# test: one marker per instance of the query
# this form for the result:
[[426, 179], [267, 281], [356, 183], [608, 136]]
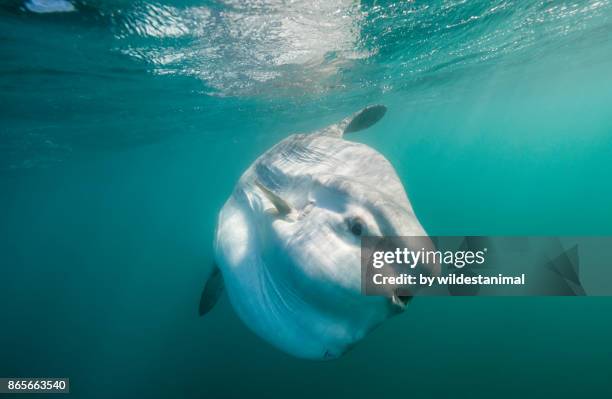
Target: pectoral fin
[[212, 291], [282, 207]]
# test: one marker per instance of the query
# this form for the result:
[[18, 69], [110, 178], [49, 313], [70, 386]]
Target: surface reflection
[[237, 46]]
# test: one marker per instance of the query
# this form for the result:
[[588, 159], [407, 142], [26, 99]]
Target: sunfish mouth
[[400, 299]]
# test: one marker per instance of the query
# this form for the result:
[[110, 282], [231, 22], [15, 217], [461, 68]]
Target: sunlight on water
[[248, 47], [147, 59]]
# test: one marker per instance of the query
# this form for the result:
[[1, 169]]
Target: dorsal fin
[[364, 118], [358, 121]]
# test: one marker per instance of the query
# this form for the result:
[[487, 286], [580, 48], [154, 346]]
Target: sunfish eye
[[356, 226]]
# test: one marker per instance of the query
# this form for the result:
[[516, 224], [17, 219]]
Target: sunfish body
[[287, 244]]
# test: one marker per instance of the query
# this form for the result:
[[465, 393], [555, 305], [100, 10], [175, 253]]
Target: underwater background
[[124, 126]]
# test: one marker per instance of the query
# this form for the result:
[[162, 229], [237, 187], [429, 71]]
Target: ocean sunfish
[[287, 246]]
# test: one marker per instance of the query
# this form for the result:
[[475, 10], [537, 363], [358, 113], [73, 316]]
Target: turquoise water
[[125, 125]]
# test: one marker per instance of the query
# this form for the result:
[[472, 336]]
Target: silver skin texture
[[286, 241]]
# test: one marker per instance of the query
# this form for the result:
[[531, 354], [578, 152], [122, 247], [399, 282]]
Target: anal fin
[[212, 291]]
